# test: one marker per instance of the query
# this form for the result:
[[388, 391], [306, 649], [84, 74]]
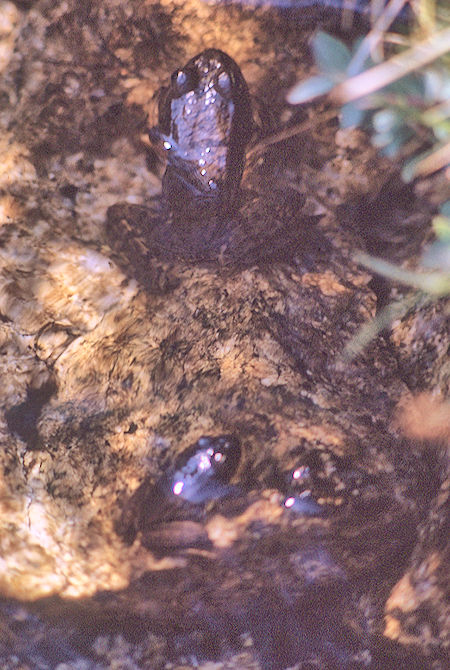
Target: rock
[[107, 381]]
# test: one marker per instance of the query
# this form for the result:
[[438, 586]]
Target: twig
[[286, 133]]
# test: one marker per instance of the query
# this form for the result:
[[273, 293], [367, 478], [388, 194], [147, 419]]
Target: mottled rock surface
[[105, 381]]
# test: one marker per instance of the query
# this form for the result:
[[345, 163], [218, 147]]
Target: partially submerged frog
[[168, 512], [171, 512], [203, 215]]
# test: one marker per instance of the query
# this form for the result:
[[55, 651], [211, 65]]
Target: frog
[[205, 124], [204, 214], [169, 511]]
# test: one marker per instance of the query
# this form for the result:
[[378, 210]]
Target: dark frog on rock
[[205, 123], [203, 215]]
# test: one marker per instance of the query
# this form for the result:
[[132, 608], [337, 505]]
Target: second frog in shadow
[[169, 511]]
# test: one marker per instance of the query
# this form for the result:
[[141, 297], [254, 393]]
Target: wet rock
[[142, 370]]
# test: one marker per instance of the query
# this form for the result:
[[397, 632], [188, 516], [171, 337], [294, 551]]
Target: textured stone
[[105, 382]]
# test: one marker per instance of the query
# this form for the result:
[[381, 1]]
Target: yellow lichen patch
[[262, 370], [28, 564], [45, 550], [67, 286], [141, 93], [31, 571], [425, 416], [326, 281], [216, 28], [80, 286], [231, 359], [323, 434], [10, 209], [14, 164], [405, 597], [265, 362], [224, 532], [392, 628], [9, 24]]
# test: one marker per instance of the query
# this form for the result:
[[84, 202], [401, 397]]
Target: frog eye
[[184, 81], [223, 84]]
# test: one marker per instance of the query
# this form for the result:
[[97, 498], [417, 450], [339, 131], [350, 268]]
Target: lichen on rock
[[106, 381]]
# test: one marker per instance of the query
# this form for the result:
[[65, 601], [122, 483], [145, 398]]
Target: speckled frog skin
[[205, 123]]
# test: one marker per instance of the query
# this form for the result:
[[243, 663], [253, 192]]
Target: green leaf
[[441, 223], [410, 86], [361, 59], [309, 89], [433, 83], [386, 120], [330, 54], [437, 256], [445, 209], [436, 83], [392, 148], [434, 283], [382, 140], [351, 115], [409, 168], [442, 132], [399, 136]]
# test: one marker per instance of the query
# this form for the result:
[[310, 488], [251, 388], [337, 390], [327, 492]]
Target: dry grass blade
[[398, 66], [373, 39], [436, 161]]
